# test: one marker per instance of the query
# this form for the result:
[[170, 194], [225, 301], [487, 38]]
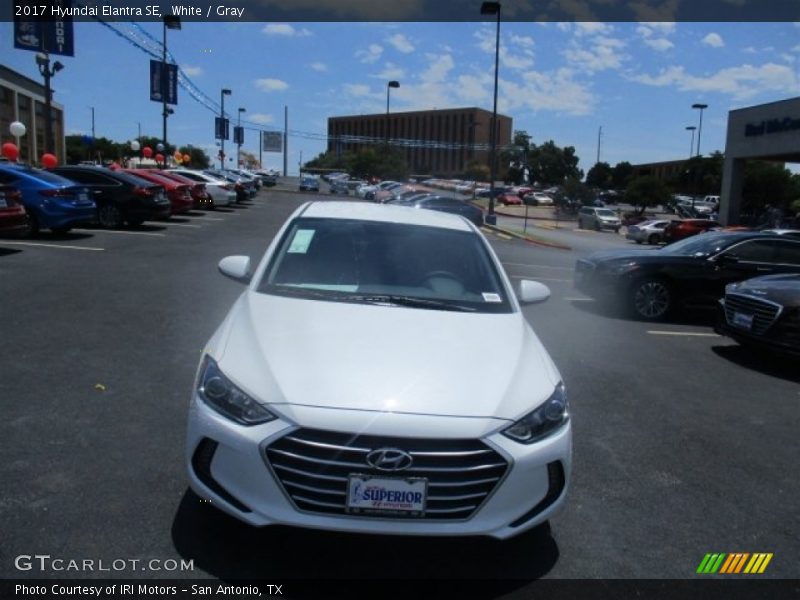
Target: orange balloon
[[186, 158]]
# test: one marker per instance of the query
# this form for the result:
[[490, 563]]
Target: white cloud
[[192, 71], [359, 90], [260, 118], [522, 40], [390, 71], [603, 54], [592, 28], [271, 85], [555, 91], [487, 40], [664, 28], [751, 50], [440, 66], [285, 29], [473, 89], [400, 43], [319, 66], [371, 55], [659, 44], [714, 40], [740, 82]]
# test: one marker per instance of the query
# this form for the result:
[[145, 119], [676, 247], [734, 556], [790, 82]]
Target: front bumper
[[227, 465]]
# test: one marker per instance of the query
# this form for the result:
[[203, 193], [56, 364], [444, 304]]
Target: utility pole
[[285, 138], [171, 22], [599, 135], [260, 148]]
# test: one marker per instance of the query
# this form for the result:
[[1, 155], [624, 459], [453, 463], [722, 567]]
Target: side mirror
[[236, 267], [532, 292]]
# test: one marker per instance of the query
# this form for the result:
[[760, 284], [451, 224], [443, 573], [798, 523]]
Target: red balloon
[[114, 166], [159, 158], [10, 151], [147, 151], [49, 160]]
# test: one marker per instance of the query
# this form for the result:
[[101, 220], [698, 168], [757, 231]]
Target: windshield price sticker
[[301, 241], [378, 494], [491, 297], [743, 320]]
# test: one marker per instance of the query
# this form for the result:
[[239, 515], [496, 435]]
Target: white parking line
[[539, 278], [118, 231], [539, 266], [205, 219], [578, 299], [62, 246], [179, 224], [689, 333]]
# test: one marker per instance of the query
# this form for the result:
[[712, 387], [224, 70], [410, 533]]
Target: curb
[[531, 240]]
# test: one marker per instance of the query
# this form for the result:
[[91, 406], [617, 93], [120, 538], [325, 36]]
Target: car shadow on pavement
[[610, 310], [50, 236], [6, 251], [758, 360], [230, 550], [149, 227]]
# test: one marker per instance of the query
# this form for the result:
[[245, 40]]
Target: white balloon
[[160, 147], [135, 146], [17, 129]]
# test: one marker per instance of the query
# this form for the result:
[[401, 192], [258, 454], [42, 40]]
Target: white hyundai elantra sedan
[[378, 376]]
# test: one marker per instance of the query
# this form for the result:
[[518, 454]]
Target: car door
[[787, 256], [741, 261], [104, 189]]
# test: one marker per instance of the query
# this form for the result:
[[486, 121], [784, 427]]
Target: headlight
[[544, 420], [624, 268], [219, 393]]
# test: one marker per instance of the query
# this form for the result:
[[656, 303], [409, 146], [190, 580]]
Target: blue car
[[52, 202]]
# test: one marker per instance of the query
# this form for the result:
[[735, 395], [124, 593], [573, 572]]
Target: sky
[[557, 81]]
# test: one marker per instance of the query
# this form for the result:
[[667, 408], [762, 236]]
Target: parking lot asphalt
[[684, 443]]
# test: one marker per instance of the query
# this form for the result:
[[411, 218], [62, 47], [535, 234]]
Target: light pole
[[170, 22], [239, 143], [389, 86], [222, 94], [43, 61], [493, 8], [691, 128], [701, 108]]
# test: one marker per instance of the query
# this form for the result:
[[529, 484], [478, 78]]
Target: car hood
[[783, 288], [610, 256], [309, 353]]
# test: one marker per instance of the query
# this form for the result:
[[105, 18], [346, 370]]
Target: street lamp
[[389, 86], [170, 22], [493, 8], [239, 142], [701, 107], [691, 128], [43, 61], [222, 94]]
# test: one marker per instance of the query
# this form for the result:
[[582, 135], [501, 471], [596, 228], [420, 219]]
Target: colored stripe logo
[[734, 563]]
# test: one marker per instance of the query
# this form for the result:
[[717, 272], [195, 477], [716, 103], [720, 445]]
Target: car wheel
[[32, 226], [651, 299], [60, 230], [596, 226], [638, 241], [654, 239], [135, 221], [580, 224], [110, 216]]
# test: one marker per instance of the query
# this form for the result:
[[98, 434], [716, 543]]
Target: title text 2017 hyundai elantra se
[[352, 386]]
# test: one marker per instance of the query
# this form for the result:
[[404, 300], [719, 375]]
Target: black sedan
[[691, 273], [763, 312], [445, 204], [120, 197]]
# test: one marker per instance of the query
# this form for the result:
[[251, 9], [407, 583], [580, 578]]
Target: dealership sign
[[772, 126]]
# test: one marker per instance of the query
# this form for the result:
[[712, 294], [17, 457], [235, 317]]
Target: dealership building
[[768, 132], [22, 99], [438, 142]]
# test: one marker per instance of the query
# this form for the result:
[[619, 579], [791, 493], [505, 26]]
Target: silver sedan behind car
[[651, 232]]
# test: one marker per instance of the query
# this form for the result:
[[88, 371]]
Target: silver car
[[651, 232], [591, 217]]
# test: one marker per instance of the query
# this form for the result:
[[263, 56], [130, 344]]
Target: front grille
[[313, 467], [764, 312]]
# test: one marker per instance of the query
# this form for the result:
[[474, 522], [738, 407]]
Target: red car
[[201, 197], [509, 198], [179, 194], [13, 218], [678, 230]]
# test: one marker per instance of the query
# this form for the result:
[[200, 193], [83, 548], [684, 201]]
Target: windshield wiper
[[409, 301]]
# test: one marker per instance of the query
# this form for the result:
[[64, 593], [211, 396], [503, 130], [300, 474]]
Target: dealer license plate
[[742, 320], [367, 494]]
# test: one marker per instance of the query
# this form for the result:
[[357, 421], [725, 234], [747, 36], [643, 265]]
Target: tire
[[135, 221], [616, 230], [651, 299], [60, 230], [638, 241], [110, 216], [580, 223], [32, 227], [654, 239], [596, 226]]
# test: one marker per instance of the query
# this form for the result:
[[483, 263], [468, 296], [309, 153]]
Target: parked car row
[[68, 196]]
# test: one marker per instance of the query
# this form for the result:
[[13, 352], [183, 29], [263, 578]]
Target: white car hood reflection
[[383, 358]]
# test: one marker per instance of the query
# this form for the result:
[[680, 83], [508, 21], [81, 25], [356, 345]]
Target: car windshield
[[704, 244], [605, 212], [385, 263], [47, 176]]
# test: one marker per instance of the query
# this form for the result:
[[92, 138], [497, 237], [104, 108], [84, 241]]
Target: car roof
[[384, 213]]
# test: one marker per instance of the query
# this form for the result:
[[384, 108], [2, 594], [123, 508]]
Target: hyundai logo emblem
[[389, 459]]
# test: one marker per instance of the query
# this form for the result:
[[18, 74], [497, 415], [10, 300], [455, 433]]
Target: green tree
[[477, 171], [574, 190], [551, 165], [600, 176], [700, 175], [198, 158], [621, 175], [646, 191], [768, 184]]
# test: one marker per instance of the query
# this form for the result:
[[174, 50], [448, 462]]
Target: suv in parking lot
[[592, 217]]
